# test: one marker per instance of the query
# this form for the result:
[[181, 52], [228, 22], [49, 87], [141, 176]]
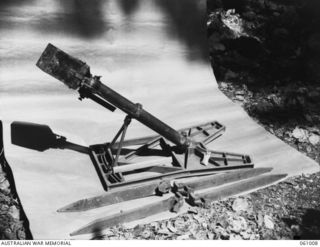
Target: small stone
[[171, 228], [164, 232], [295, 229], [309, 149], [239, 97], [8, 234], [239, 92], [5, 186], [275, 99], [240, 204], [108, 233], [224, 85], [260, 219], [245, 235], [314, 139], [235, 237], [155, 225], [145, 234], [314, 130], [21, 234], [204, 225], [238, 224], [254, 237], [14, 212], [137, 230], [300, 134], [2, 177], [222, 232], [268, 222], [183, 237], [210, 235], [193, 210], [127, 235], [179, 224], [201, 235]]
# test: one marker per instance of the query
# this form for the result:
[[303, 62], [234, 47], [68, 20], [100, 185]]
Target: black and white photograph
[[159, 120]]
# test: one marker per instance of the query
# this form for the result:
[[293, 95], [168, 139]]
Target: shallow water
[[112, 36]]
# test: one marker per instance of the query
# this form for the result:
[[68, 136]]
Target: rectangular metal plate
[[71, 71]]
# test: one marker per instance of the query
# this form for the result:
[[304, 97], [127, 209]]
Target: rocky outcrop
[[271, 40]]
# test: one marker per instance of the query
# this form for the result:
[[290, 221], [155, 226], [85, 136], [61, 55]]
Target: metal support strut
[[122, 131]]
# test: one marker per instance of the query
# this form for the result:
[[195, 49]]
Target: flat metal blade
[[165, 204], [148, 189], [125, 216], [236, 188]]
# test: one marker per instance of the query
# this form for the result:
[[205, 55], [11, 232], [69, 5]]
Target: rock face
[[278, 39]]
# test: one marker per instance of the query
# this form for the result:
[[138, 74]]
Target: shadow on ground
[[309, 228]]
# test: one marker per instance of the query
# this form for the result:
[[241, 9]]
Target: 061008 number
[[309, 243]]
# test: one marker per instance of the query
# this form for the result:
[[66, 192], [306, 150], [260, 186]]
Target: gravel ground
[[286, 107], [13, 223], [287, 210]]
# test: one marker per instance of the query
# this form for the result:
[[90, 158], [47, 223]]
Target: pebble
[[193, 210], [239, 224], [300, 134], [254, 237], [268, 222], [314, 139], [240, 93], [2, 177], [164, 232], [21, 234], [239, 97], [224, 85], [235, 237], [210, 235], [8, 234], [240, 204], [223, 233], [137, 230], [183, 237], [245, 235], [179, 224], [14, 212], [260, 219], [108, 233], [145, 234], [5, 186], [295, 228], [309, 149], [171, 228]]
